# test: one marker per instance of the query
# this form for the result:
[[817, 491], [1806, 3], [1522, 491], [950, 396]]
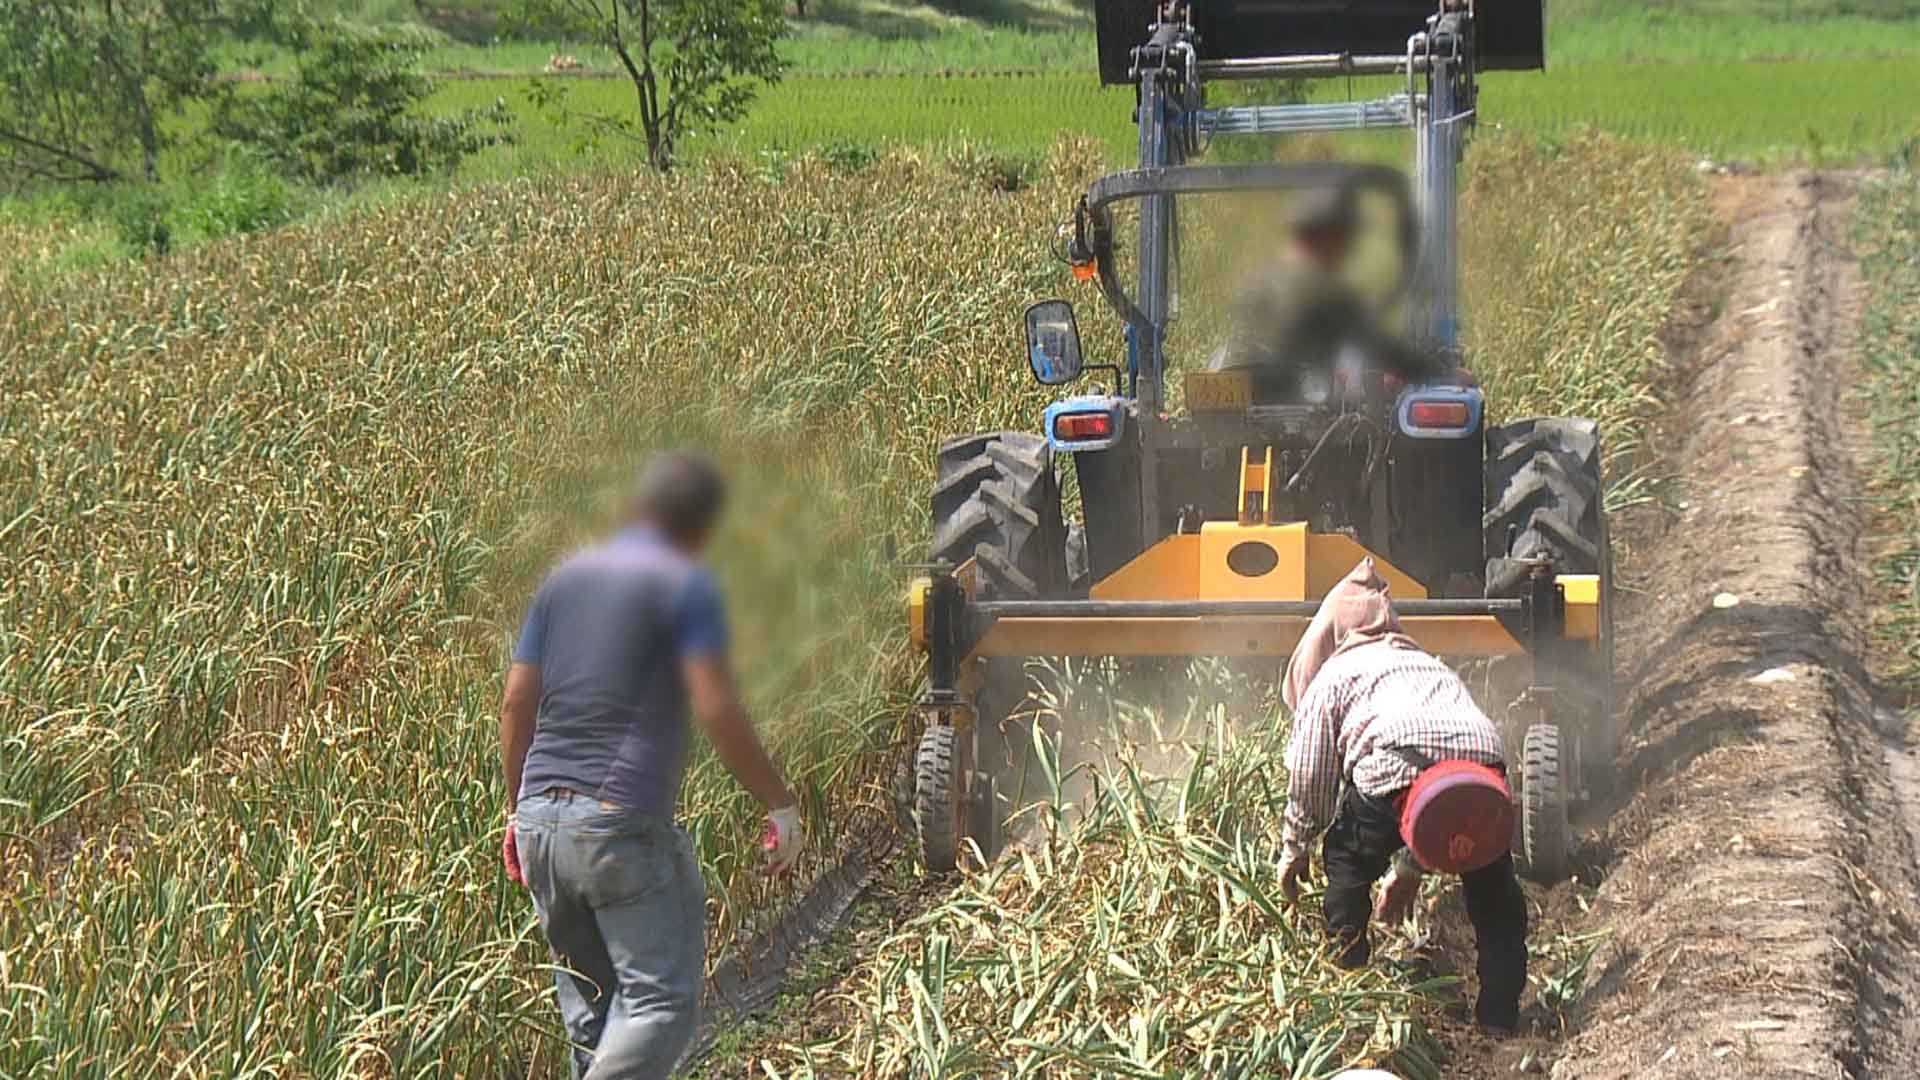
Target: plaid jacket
[[1362, 706]]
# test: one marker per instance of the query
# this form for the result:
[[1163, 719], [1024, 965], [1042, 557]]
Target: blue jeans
[[623, 906]]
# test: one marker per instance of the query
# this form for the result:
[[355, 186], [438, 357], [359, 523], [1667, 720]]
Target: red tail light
[[1443, 415], [1075, 427]]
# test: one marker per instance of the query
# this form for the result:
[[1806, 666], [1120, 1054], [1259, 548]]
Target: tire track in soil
[[1762, 898]]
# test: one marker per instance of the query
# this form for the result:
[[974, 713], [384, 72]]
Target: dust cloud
[[1080, 724]]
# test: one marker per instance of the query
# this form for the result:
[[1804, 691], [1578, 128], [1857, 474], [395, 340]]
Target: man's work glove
[[1402, 889], [1293, 870], [783, 839], [510, 854]]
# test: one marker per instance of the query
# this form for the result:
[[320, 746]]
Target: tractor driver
[[1297, 318]]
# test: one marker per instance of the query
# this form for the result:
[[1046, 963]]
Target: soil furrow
[[1760, 903]]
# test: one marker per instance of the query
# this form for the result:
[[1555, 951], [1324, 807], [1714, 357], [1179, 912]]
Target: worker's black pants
[[1364, 837]]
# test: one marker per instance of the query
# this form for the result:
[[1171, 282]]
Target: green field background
[[1816, 110]]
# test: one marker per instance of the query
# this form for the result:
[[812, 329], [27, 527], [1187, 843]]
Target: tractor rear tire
[[940, 806], [1543, 488], [1546, 836], [997, 502], [1545, 497]]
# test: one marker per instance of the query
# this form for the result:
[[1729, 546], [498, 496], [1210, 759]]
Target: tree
[[97, 90], [351, 109], [695, 64], [87, 86]]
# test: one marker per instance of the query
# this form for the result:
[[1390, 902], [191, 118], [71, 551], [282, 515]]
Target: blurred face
[[1327, 247], [691, 543], [695, 543]]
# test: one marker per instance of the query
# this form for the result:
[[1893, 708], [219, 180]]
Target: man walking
[[1421, 766], [622, 642]]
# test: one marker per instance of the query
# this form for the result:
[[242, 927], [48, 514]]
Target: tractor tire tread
[[1544, 488], [1545, 834], [996, 502], [1549, 497], [934, 798]]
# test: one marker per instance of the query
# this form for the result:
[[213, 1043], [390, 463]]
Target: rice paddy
[[1816, 111]]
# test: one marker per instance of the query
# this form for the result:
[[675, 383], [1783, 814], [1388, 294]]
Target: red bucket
[[1458, 817]]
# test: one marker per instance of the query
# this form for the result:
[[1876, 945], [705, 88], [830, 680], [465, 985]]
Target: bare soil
[[1760, 904]]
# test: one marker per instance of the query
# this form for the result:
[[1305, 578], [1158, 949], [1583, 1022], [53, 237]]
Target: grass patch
[[1144, 937], [1584, 31], [1887, 237], [1573, 256], [1018, 116], [1820, 112]]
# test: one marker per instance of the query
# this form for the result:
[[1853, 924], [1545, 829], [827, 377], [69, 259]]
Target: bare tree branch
[[94, 170]]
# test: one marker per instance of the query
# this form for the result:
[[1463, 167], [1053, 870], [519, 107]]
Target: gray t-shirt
[[608, 629]]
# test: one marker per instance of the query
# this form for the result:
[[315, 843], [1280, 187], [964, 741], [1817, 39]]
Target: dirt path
[[1761, 904]]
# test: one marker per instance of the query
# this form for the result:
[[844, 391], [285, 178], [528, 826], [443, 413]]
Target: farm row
[[273, 503]]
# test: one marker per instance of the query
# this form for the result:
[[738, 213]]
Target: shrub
[[352, 110], [139, 213], [242, 196]]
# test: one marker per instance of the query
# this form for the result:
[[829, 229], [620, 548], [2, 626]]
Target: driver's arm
[[1389, 350], [1412, 364]]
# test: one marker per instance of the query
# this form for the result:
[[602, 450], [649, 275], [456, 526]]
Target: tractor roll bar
[[1268, 176], [1213, 179]]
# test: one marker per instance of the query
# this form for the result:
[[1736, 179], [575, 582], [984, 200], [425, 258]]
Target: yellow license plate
[[1219, 391]]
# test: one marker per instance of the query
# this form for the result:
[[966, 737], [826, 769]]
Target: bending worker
[[1421, 767], [1297, 315], [621, 642]]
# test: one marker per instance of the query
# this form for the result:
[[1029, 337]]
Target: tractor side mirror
[[1053, 342]]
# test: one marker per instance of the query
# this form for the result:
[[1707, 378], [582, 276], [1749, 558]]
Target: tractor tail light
[[1076, 427], [1439, 415]]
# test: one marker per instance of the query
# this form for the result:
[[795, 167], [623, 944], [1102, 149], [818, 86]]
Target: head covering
[[1323, 209], [1356, 613]]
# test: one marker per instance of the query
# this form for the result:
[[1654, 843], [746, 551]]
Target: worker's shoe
[[1497, 1030], [1498, 1023]]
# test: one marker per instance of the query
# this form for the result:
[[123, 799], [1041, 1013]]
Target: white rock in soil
[[1774, 675], [1725, 600]]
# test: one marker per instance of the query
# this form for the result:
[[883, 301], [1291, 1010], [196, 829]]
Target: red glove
[[510, 854]]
